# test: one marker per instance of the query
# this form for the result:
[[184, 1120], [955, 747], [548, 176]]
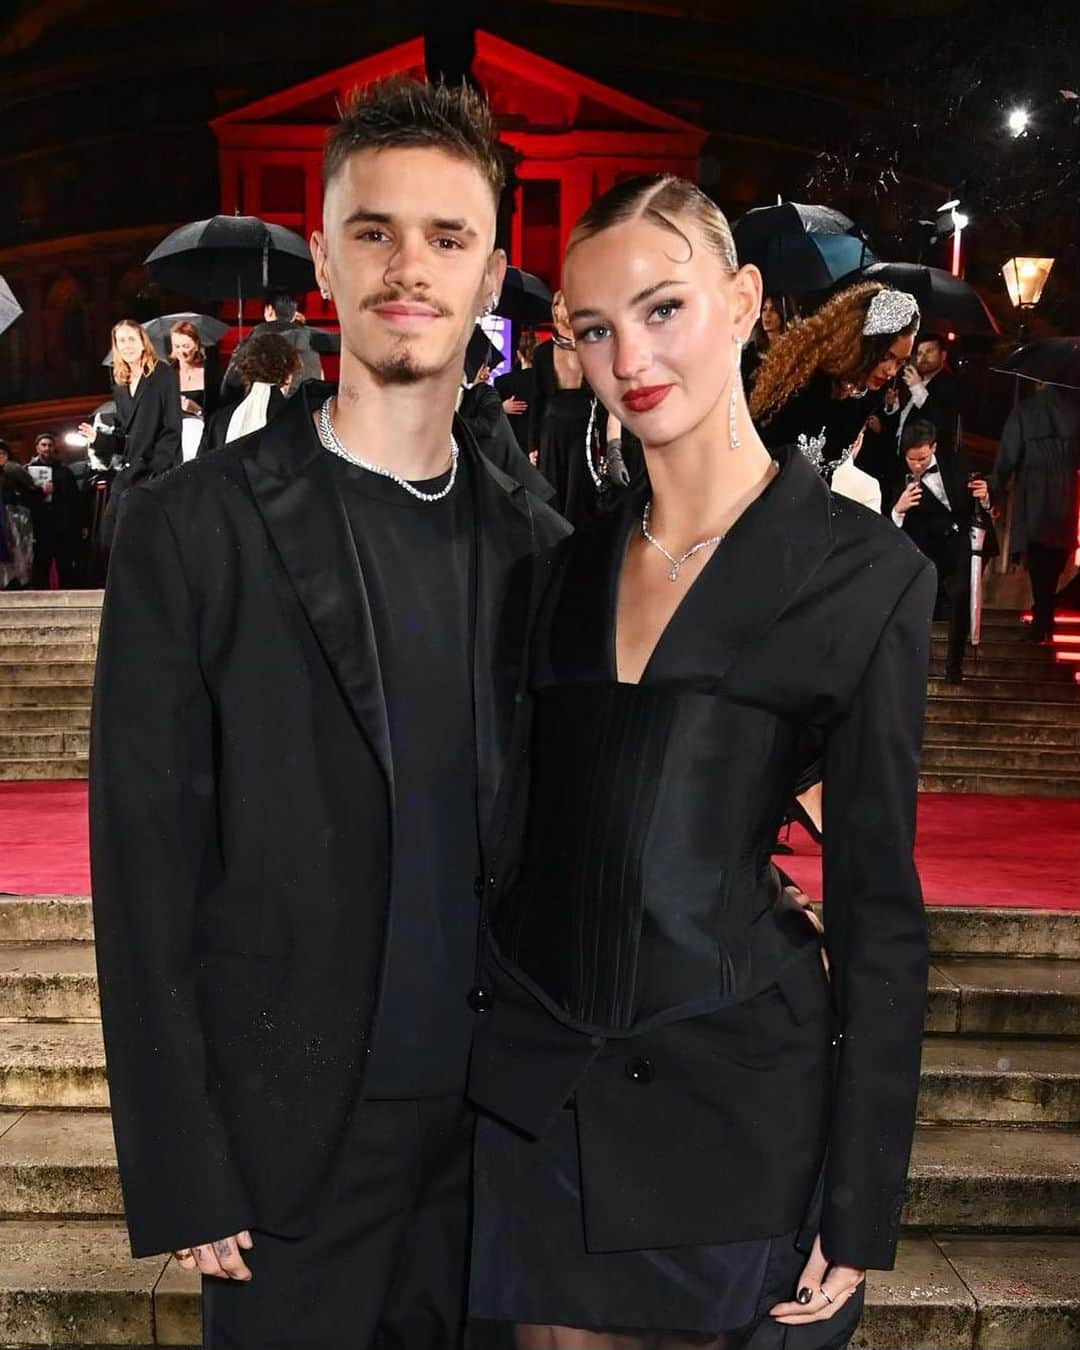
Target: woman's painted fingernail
[[804, 1295]]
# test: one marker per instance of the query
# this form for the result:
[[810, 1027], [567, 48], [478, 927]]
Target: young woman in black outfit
[[147, 432], [691, 1136]]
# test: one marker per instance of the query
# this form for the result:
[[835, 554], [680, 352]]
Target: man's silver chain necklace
[[676, 563], [332, 441]]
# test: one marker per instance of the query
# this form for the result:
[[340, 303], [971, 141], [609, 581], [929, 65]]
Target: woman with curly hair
[[267, 364], [822, 378]]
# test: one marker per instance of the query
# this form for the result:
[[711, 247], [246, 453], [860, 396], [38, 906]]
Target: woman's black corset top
[[646, 893]]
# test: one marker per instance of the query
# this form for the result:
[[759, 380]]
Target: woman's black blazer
[[705, 1118]]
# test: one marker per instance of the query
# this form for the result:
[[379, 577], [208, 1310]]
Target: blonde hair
[[830, 340], [659, 197], [122, 373]]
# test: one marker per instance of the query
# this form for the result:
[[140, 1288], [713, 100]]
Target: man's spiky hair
[[403, 113]]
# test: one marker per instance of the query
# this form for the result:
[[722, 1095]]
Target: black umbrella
[[210, 331], [525, 298], [10, 309], [232, 255], [1050, 361], [944, 301], [800, 248]]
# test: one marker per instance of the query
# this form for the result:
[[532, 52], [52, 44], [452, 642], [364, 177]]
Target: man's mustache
[[388, 297]]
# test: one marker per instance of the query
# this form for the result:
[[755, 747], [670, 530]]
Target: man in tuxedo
[[935, 507], [306, 691]]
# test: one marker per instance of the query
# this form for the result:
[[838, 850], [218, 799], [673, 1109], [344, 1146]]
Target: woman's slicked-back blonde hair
[[660, 198]]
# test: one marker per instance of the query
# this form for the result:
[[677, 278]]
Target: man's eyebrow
[[366, 215], [634, 300]]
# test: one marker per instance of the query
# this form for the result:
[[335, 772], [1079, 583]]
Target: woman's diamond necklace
[[332, 441], [676, 563]]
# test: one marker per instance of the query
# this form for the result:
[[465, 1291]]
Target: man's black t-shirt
[[419, 562]]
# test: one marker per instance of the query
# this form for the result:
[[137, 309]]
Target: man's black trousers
[[1045, 565], [387, 1266]]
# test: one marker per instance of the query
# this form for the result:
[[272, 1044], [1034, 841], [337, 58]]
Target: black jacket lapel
[[757, 572], [504, 573], [303, 512]]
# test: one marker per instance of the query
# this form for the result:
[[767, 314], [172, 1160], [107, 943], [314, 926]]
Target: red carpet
[[971, 850]]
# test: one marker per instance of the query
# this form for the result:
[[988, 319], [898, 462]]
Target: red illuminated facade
[[572, 139]]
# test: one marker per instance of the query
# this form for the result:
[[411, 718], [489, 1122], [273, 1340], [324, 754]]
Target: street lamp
[[1025, 279]]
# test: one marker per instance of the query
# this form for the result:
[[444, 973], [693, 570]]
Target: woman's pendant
[[673, 575]]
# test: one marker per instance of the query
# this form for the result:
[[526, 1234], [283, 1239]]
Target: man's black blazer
[[241, 798], [942, 407]]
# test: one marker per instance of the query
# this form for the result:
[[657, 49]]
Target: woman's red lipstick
[[646, 397]]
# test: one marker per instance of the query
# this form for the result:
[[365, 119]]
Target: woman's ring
[[825, 1294]]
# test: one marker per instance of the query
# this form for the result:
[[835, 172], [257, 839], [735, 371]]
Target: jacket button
[[640, 1070], [480, 1000], [478, 888]]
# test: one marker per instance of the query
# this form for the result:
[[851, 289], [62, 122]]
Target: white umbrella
[[978, 539]]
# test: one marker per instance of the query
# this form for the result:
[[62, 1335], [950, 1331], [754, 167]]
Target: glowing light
[[1025, 279], [1019, 120], [75, 438]]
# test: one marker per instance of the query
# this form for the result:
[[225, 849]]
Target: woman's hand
[[514, 406], [823, 1291], [90, 432]]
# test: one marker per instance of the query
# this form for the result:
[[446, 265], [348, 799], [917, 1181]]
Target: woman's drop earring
[[736, 381]]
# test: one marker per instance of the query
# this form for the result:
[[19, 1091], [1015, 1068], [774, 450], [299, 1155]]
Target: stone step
[[29, 635], [19, 601], [45, 672], [969, 996], [982, 1080], [62, 1065], [46, 918], [75, 695], [998, 644], [13, 770], [1052, 762], [978, 930], [60, 1163], [985, 1177], [954, 930], [45, 719], [43, 744], [1024, 666], [76, 1284], [63, 1164], [1059, 689], [48, 981], [52, 1064], [986, 711], [1018, 734], [52, 650], [1000, 996], [999, 784]]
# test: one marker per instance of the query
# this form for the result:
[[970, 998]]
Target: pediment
[[528, 92]]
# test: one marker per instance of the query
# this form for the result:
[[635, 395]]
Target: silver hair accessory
[[890, 312], [733, 411]]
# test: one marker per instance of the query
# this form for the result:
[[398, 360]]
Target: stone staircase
[[990, 1259], [1013, 727], [48, 645]]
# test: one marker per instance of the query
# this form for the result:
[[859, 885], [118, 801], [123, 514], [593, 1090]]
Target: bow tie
[[933, 468]]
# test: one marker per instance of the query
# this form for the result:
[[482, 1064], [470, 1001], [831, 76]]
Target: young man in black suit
[[306, 691], [935, 508]]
